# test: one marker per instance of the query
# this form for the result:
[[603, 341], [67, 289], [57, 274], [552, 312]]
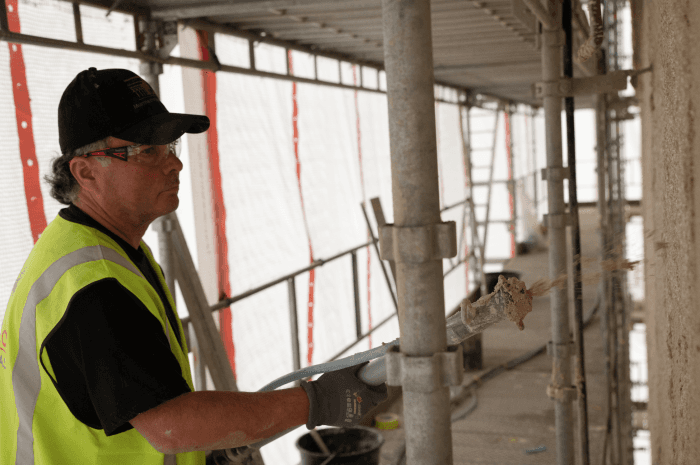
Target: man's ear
[[84, 172]]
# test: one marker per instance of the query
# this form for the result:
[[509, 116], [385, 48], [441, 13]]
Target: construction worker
[[93, 361]]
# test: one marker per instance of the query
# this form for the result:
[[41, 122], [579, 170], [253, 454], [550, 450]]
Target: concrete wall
[[668, 36]]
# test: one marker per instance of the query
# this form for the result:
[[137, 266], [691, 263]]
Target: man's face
[[128, 192]]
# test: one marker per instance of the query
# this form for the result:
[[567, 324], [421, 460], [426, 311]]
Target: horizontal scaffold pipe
[[318, 262], [186, 62], [26, 39]]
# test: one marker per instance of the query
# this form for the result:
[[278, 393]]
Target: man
[[95, 366]]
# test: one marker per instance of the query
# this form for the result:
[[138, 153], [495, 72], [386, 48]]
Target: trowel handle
[[374, 373]]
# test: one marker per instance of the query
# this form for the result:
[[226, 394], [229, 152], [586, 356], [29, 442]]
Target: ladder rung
[[481, 223], [481, 149], [484, 183]]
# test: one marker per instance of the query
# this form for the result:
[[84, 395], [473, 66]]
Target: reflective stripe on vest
[[26, 378]]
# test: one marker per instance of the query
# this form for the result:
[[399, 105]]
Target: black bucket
[[492, 278], [358, 445]]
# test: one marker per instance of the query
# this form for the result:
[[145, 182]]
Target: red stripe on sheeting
[[510, 177], [312, 274], [25, 129], [364, 201], [466, 189], [222, 268]]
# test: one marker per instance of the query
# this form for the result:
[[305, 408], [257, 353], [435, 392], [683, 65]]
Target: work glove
[[340, 398]]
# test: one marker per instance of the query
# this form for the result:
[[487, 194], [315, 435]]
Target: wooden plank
[[211, 347], [381, 221]]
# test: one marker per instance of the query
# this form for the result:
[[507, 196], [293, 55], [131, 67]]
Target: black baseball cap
[[118, 103]]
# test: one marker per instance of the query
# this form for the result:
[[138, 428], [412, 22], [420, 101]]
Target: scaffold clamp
[[425, 374], [611, 82], [557, 173], [561, 350], [418, 244], [558, 220], [566, 394]]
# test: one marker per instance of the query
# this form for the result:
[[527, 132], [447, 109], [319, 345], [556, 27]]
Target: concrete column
[[409, 68], [553, 41]]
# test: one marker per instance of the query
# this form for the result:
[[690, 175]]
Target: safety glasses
[[150, 155]]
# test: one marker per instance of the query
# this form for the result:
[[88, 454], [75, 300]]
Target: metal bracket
[[622, 104], [562, 350], [557, 221], [167, 33], [566, 394], [557, 174], [157, 38], [425, 374], [634, 76], [571, 87], [419, 244]]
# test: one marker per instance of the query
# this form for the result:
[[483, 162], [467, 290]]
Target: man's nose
[[171, 163]]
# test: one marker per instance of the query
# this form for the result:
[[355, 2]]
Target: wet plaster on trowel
[[516, 304], [517, 298]]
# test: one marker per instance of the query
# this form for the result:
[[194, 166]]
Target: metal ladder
[[477, 251]]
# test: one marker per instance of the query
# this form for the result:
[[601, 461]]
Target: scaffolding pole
[[580, 365], [560, 390], [151, 72], [414, 240], [604, 241], [511, 178]]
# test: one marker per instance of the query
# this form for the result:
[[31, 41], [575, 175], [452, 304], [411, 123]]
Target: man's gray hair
[[64, 186]]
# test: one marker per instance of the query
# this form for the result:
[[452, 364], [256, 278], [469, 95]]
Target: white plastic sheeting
[[48, 72], [266, 234]]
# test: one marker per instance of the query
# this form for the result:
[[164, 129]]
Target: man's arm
[[212, 420]]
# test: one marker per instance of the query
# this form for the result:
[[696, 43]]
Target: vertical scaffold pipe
[[150, 71], [580, 365], [603, 241], [408, 62], [561, 340]]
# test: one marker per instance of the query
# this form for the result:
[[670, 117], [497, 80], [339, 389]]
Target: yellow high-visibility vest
[[36, 426]]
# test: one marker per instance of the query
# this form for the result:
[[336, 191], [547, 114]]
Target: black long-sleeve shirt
[[110, 355]]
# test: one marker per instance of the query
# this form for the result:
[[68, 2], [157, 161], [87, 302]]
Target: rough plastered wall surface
[[670, 97]]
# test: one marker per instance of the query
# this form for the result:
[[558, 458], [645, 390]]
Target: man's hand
[[340, 398]]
